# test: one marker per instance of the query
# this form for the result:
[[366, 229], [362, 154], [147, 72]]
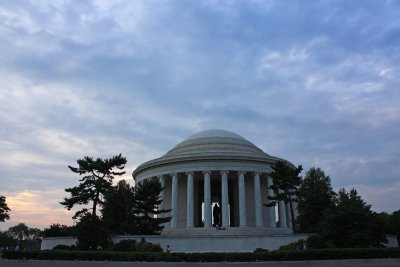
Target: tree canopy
[[24, 234], [4, 209], [119, 207], [57, 230], [285, 184], [351, 223], [394, 222], [97, 179], [92, 234], [147, 196], [315, 196]]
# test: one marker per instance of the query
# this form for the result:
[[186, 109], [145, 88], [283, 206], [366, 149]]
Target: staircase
[[230, 231]]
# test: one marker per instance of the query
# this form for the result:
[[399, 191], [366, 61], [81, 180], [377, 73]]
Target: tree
[[6, 240], [351, 223], [395, 222], [97, 179], [92, 234], [285, 184], [25, 235], [315, 196], [4, 209], [118, 209], [147, 195], [57, 230], [391, 223]]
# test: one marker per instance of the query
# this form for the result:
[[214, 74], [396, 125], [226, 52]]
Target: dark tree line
[[134, 210], [124, 209], [25, 237], [341, 219]]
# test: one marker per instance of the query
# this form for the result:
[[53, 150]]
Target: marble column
[[162, 194], [271, 210], [174, 201], [288, 215], [207, 199], [257, 200], [225, 199], [242, 200], [190, 201], [282, 214], [295, 210]]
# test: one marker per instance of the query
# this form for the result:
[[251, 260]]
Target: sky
[[314, 82]]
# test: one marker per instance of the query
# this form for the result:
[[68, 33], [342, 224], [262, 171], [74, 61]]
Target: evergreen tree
[[391, 223], [147, 196], [285, 185], [92, 234], [351, 223], [315, 196], [118, 209], [395, 222], [4, 209], [97, 179], [57, 230]]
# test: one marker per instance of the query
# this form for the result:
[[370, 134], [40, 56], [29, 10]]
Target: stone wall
[[206, 243]]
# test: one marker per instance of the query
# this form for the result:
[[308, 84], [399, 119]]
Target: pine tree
[[147, 196], [285, 184], [351, 223], [315, 196], [98, 177], [118, 209], [91, 233]]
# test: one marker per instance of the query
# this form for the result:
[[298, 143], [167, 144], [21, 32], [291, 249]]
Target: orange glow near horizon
[[40, 208], [37, 208]]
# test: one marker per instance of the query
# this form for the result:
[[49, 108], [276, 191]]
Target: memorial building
[[218, 167], [213, 168]]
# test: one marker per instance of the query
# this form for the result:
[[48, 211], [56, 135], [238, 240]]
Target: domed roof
[[214, 133], [215, 142], [208, 150]]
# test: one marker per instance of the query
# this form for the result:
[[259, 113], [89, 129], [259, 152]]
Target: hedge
[[294, 255]]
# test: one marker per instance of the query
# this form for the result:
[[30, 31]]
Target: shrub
[[316, 242], [144, 246], [297, 245], [92, 234], [64, 247], [125, 245], [133, 246], [295, 255]]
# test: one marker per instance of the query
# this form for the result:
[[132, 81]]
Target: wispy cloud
[[382, 198], [315, 83], [36, 208]]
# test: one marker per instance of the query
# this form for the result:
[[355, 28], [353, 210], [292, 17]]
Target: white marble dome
[[208, 150], [215, 143]]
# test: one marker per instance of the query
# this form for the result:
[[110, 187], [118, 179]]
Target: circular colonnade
[[216, 166]]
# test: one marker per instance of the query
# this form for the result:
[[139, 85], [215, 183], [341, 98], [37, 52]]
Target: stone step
[[231, 231]]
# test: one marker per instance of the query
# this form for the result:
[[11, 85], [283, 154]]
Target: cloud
[[382, 198], [315, 83], [36, 208]]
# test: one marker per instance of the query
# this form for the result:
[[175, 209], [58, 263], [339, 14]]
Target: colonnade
[[207, 216]]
